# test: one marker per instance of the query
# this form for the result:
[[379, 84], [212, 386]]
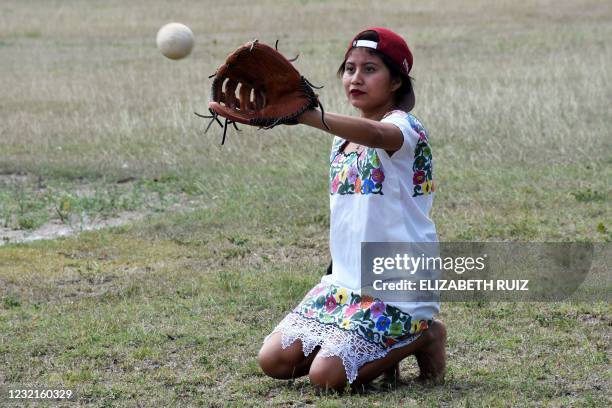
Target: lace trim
[[353, 350]]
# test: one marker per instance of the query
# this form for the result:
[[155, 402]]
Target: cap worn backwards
[[390, 44], [395, 48]]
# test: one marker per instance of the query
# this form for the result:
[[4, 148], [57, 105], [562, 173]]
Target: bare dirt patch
[[56, 228], [67, 210]]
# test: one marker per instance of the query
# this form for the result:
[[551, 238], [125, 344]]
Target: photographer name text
[[454, 285]]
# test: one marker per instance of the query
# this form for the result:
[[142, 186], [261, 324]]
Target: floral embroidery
[[372, 319], [419, 177], [422, 167], [422, 178], [355, 172], [377, 309], [330, 304], [341, 296], [352, 309], [395, 329], [382, 323], [366, 302], [377, 175]]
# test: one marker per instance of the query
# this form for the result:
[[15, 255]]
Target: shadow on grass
[[407, 385]]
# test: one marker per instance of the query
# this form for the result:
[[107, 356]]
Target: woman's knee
[[277, 362], [271, 364], [328, 373]]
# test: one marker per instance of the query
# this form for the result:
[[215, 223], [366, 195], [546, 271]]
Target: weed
[[10, 302], [589, 195]]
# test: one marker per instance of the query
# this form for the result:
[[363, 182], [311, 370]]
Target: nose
[[356, 78]]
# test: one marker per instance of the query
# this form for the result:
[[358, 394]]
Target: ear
[[396, 83]]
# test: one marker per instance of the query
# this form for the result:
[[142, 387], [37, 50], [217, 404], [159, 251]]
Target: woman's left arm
[[362, 131]]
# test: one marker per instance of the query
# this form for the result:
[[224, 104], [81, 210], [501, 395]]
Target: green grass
[[122, 318], [172, 310]]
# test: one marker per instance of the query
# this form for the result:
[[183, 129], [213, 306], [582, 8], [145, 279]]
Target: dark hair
[[396, 72]]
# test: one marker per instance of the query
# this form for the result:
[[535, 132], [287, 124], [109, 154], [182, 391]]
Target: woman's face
[[368, 83]]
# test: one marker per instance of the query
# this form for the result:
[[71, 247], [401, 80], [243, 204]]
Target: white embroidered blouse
[[378, 198]]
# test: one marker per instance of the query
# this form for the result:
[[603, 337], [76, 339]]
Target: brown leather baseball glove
[[258, 86]]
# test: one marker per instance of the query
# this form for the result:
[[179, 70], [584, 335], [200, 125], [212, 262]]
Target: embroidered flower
[[377, 175], [309, 313], [346, 324], [341, 296], [377, 309], [423, 325], [352, 174], [382, 323], [352, 309], [366, 302], [367, 186], [320, 302], [419, 177], [330, 304]]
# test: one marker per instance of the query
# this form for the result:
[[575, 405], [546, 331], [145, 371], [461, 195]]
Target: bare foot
[[432, 356]]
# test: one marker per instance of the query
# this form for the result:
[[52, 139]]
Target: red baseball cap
[[390, 44], [394, 47]]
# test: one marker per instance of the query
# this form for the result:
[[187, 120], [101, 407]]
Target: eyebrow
[[365, 63]]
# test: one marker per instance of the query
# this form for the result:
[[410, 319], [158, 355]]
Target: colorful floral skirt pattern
[[356, 328]]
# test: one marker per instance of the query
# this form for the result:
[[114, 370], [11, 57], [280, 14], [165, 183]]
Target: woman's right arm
[[365, 132]]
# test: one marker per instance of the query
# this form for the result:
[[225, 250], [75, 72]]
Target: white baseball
[[175, 40]]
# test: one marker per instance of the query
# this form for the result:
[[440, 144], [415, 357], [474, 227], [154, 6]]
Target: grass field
[[171, 310]]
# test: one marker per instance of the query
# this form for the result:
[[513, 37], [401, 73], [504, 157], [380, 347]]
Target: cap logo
[[406, 67], [365, 43]]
